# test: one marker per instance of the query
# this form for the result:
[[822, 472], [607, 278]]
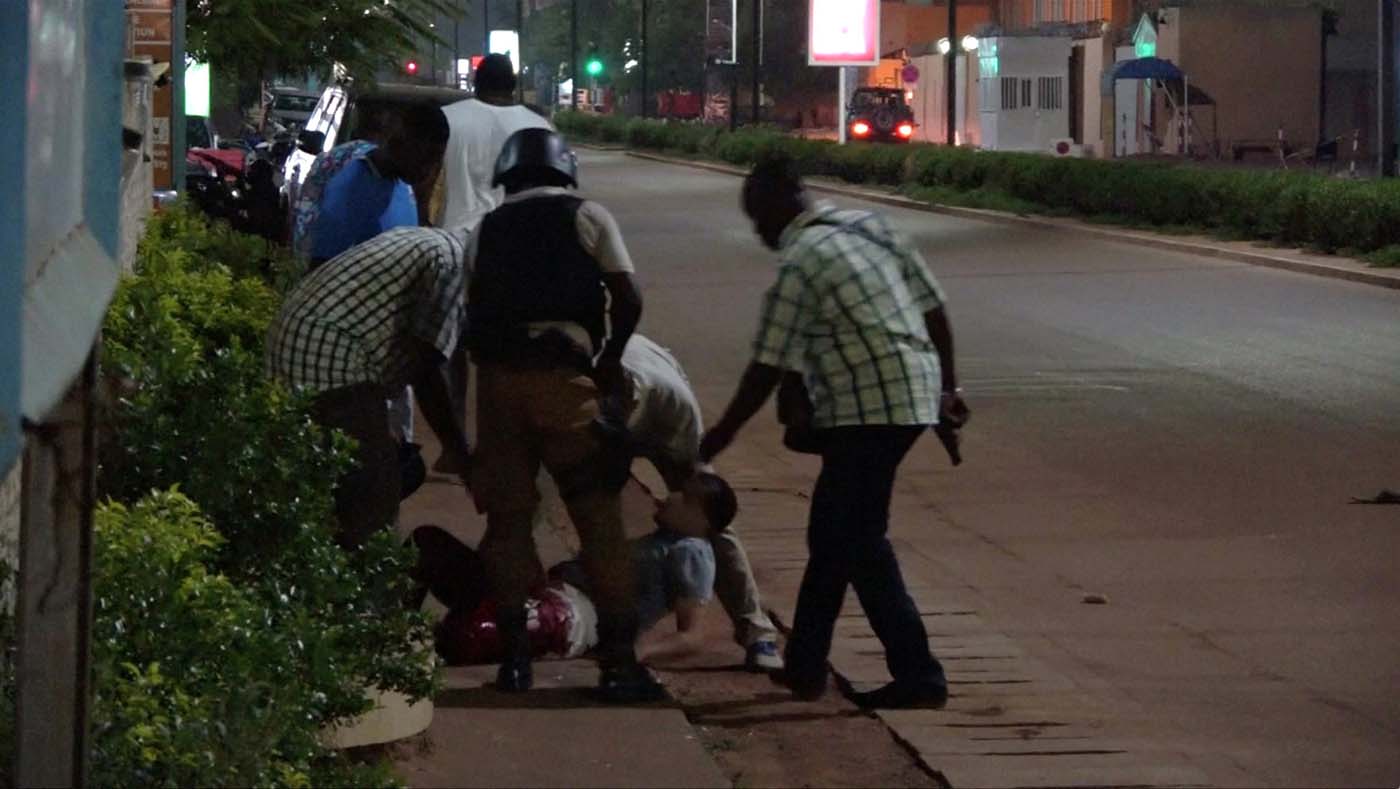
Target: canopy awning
[[1147, 68]]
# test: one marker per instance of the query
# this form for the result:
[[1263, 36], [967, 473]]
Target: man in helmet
[[553, 302]]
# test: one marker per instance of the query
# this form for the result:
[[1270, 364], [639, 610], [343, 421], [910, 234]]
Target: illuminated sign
[[196, 88], [843, 33], [506, 42]]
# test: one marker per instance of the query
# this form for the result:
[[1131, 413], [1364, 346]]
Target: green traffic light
[[594, 67]]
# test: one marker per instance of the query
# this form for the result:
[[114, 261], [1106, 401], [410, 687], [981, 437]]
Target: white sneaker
[[762, 657]]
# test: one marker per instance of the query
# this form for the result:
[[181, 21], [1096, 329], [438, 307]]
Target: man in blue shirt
[[371, 194]]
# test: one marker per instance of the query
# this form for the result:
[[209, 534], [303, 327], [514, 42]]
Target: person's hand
[[716, 440], [611, 379], [952, 410]]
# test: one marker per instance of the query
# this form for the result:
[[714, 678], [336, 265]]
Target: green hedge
[[1324, 213], [229, 628]]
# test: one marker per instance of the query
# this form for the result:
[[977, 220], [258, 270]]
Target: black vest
[[530, 267]]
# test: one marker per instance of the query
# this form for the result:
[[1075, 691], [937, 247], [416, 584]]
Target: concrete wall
[[1096, 59], [1261, 65], [1350, 89], [903, 25], [1025, 14]]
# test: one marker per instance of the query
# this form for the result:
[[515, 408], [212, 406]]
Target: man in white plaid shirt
[[857, 312], [377, 317]]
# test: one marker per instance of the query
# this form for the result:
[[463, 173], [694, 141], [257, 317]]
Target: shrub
[[1293, 208], [192, 409]]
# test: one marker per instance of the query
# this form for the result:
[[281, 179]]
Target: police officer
[[553, 302]]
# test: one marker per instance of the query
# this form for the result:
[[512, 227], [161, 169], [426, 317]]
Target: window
[[1026, 93], [1008, 92], [1050, 93]]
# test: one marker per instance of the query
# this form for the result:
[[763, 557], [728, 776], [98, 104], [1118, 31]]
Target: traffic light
[[594, 64], [411, 68]]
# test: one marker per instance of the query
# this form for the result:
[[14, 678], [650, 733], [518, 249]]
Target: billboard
[[843, 32], [721, 31]]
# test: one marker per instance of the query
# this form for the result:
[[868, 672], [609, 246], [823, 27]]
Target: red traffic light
[[411, 67]]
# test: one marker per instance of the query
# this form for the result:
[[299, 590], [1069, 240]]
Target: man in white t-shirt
[[665, 427], [480, 127]]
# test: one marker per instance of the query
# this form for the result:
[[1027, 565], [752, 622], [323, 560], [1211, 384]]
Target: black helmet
[[538, 156]]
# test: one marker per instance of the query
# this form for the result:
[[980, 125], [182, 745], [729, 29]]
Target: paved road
[[1180, 434]]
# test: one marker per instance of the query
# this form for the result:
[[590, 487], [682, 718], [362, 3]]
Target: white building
[[1023, 92]]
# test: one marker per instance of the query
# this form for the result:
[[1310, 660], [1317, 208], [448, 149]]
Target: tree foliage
[[256, 39]]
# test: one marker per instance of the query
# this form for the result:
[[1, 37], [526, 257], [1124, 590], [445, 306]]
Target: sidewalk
[[557, 734], [1011, 719]]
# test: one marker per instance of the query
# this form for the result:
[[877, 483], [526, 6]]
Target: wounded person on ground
[[675, 572]]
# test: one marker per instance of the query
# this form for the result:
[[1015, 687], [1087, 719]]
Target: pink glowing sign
[[843, 33]]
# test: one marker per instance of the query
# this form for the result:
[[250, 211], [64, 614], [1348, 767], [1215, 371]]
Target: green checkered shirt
[[848, 312]]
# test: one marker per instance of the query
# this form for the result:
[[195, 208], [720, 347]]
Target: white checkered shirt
[[848, 312], [352, 321]]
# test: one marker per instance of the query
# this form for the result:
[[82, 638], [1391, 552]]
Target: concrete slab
[[556, 735]]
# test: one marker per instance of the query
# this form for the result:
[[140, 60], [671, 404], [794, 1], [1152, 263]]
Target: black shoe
[[629, 683], [515, 676], [904, 695], [803, 688]]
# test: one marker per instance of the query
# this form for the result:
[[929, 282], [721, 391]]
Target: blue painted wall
[[14, 42]]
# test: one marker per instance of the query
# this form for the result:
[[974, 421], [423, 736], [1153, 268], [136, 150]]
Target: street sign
[[843, 33], [910, 73], [150, 27]]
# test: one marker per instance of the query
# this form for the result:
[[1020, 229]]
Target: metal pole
[[456, 50], [520, 50], [1385, 86], [953, 47], [841, 104], [734, 95], [646, 46], [485, 27], [755, 47], [573, 54]]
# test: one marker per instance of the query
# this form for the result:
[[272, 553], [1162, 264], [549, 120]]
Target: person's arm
[[674, 471], [433, 388], [758, 383], [787, 309], [940, 331], [952, 411]]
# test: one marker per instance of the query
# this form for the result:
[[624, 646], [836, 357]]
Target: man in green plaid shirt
[[857, 312]]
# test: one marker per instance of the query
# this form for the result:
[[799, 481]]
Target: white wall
[[1029, 126], [1092, 122]]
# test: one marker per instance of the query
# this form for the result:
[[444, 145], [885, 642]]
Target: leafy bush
[[1292, 208], [191, 409], [193, 688]]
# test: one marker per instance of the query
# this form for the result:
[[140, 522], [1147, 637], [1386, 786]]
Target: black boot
[[515, 674], [623, 680]]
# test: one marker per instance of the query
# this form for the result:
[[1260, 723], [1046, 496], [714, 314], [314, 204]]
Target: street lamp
[[970, 43]]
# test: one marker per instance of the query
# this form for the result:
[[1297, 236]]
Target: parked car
[[879, 115], [289, 107]]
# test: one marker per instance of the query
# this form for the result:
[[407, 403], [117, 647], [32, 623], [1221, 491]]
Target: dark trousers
[[847, 545], [367, 495]]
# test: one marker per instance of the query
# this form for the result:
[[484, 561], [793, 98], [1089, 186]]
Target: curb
[[1365, 277]]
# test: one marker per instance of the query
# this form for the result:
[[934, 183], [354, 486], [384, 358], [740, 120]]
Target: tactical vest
[[530, 268]]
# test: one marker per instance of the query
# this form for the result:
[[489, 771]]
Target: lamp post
[[954, 47]]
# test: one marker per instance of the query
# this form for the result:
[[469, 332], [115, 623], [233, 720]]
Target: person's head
[[535, 157], [415, 144], [774, 196], [704, 504], [495, 80]]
